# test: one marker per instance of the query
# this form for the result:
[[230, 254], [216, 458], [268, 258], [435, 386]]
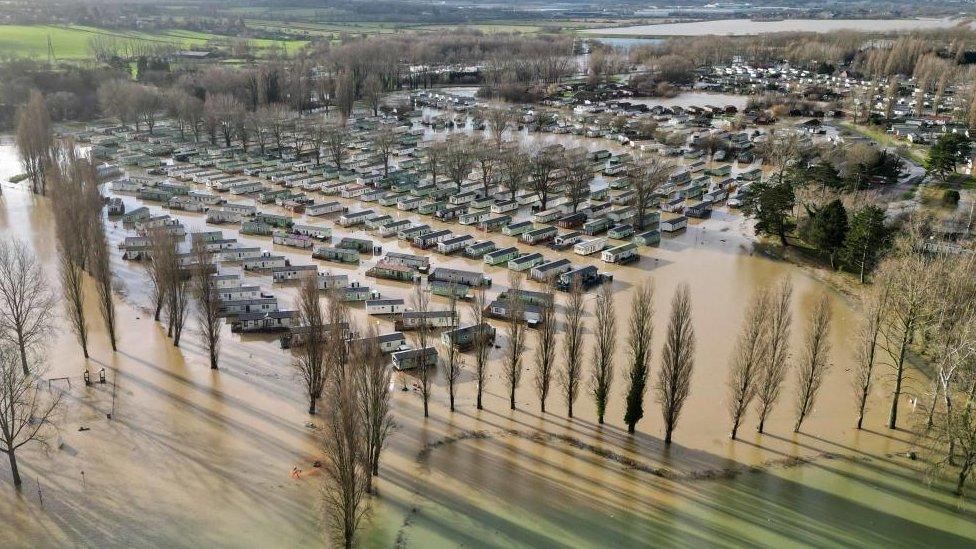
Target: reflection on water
[[200, 458]]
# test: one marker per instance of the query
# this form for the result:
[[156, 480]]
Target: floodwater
[[695, 99], [193, 458], [737, 27]]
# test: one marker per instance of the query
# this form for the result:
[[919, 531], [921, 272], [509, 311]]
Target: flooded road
[[194, 458]]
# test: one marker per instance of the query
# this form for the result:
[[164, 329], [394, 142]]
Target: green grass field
[[72, 42]]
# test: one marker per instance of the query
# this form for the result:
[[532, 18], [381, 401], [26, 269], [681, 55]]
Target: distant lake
[[729, 27], [627, 43]]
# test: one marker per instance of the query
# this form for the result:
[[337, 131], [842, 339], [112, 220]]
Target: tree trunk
[[762, 425], [311, 406], [893, 416], [426, 408], [23, 355], [512, 398], [630, 427], [479, 395], [14, 472]]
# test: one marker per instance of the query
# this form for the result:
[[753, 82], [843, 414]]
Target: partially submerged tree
[[515, 330], [639, 334], [25, 412], [815, 362], [776, 356], [26, 300], [373, 378], [420, 302], [867, 345], [601, 377], [310, 353], [748, 359], [480, 344], [207, 301], [677, 361], [545, 350], [647, 175], [572, 375], [34, 139], [455, 366], [909, 292]]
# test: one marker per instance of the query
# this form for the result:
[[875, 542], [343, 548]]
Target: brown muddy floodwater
[[192, 458]]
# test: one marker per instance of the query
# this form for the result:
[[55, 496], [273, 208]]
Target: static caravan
[[620, 232], [431, 239], [504, 255], [648, 238], [495, 223], [550, 269], [246, 187], [518, 228], [386, 342], [458, 276], [673, 205], [275, 220], [538, 236], [714, 196], [392, 271], [597, 226], [473, 218], [526, 262], [264, 262], [504, 206], [361, 245], [351, 219], [449, 289], [547, 216], [412, 320], [388, 199], [317, 232], [244, 306], [479, 249], [409, 203], [415, 358], [378, 221], [450, 213], [621, 255], [588, 247], [385, 306], [272, 321], [290, 239], [239, 254], [339, 255], [324, 208], [699, 209], [566, 240], [292, 272], [586, 277], [237, 293], [391, 228], [502, 308], [572, 221], [329, 281], [257, 228], [141, 213], [356, 292], [431, 206], [674, 225], [454, 244], [465, 338], [418, 262], [410, 233]]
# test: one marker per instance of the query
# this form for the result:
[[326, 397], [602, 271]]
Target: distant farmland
[[71, 42]]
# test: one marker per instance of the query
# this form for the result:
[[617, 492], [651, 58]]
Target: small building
[[393, 271], [274, 321], [415, 358], [550, 270], [413, 320], [464, 338], [674, 225], [458, 276], [385, 306]]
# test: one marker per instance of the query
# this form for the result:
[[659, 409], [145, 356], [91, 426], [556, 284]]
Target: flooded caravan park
[[197, 458]]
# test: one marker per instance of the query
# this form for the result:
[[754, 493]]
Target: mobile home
[[588, 247], [623, 254]]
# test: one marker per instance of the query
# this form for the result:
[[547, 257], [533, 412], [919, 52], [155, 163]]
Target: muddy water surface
[[191, 457]]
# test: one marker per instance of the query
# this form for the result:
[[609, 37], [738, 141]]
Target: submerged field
[[71, 42], [195, 458]]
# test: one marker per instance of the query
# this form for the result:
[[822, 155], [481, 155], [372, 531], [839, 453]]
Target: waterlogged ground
[[193, 458]]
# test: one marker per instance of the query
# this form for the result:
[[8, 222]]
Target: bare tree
[[866, 351], [543, 167], [347, 478], [25, 415], [910, 289], [420, 302], [71, 237], [100, 265], [579, 174], [310, 355], [178, 297], [815, 362], [515, 330], [748, 359], [455, 364], [516, 166], [571, 377], [34, 139], [677, 361], [481, 343], [337, 142], [336, 330], [498, 120], [385, 144], [545, 351], [434, 160], [776, 356], [604, 348], [73, 288], [207, 300], [161, 245], [373, 377], [640, 332], [26, 299], [458, 159], [647, 176], [486, 161]]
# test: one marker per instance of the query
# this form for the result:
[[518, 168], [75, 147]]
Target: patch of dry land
[[195, 458]]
